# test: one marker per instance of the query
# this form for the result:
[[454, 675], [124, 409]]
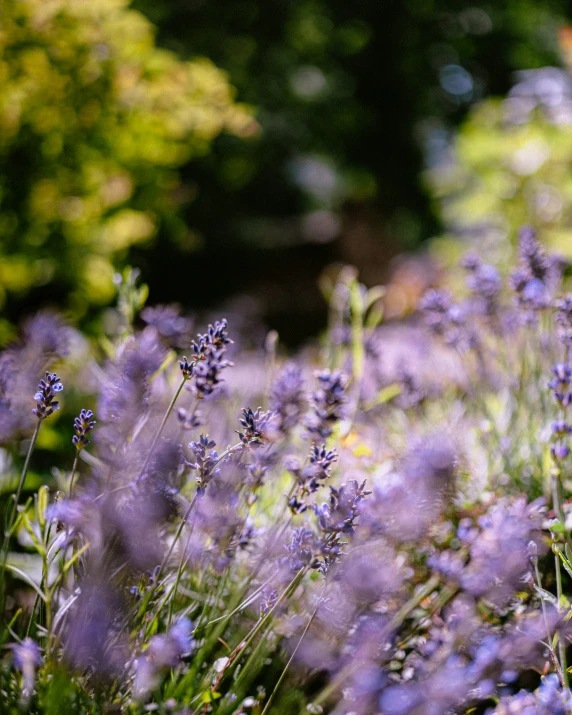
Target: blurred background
[[235, 150]]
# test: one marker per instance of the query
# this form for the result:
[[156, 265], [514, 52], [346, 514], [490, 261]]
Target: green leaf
[[24, 576], [567, 565], [386, 394], [42, 504], [546, 596], [209, 695]]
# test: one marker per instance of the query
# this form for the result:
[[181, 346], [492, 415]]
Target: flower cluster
[[255, 426], [327, 403], [208, 359], [206, 460], [83, 424], [446, 318], [485, 283], [441, 587], [535, 278], [46, 404], [287, 402]]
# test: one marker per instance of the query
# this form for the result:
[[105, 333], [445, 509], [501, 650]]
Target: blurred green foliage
[[510, 166], [112, 148], [352, 100], [94, 122]]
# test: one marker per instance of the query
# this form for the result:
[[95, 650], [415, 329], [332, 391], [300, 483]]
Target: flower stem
[[163, 423], [74, 467], [283, 674], [24, 474]]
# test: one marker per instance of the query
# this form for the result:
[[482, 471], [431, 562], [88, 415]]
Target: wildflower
[[208, 356], [536, 277], [169, 323], [255, 425], [484, 282], [563, 319], [327, 403], [499, 560], [26, 659], [287, 399], [188, 419], [446, 319], [338, 515], [268, 600], [83, 426], [301, 549], [164, 651], [47, 390], [205, 463], [549, 699], [560, 383], [187, 368]]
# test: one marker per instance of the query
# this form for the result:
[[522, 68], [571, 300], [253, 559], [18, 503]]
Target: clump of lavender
[[550, 699], [415, 597], [327, 403], [499, 562]]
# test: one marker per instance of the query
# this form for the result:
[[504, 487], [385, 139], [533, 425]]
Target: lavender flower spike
[[47, 389], [83, 425]]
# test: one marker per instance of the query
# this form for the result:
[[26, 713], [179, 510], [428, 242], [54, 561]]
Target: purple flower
[[287, 399], [47, 390], [26, 659], [327, 403], [83, 426]]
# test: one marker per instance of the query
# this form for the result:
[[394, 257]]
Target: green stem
[[13, 514], [244, 644], [561, 643], [283, 675], [23, 475], [396, 621], [163, 423], [74, 467], [548, 634]]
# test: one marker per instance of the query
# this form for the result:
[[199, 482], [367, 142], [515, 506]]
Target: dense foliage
[[510, 164], [379, 526], [95, 120], [110, 145]]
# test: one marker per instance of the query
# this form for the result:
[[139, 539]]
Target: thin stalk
[[24, 473], [74, 467], [10, 521], [561, 643], [151, 594], [396, 621], [242, 606], [163, 423], [283, 675], [245, 643], [548, 635]]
